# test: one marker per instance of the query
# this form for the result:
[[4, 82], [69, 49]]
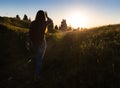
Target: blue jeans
[[39, 56]]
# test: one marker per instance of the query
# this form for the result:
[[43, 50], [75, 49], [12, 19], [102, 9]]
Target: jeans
[[39, 56]]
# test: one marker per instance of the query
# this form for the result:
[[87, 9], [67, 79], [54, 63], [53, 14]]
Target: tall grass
[[88, 58], [80, 59]]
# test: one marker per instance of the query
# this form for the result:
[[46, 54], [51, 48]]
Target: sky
[[93, 12]]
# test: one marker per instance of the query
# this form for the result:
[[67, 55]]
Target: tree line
[[25, 18], [51, 28]]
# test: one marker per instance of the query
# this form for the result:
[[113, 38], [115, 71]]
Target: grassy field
[[80, 59]]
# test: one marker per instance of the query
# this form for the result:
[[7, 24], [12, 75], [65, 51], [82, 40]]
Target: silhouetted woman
[[37, 37]]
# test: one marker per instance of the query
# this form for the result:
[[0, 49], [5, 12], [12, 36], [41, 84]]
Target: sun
[[77, 19]]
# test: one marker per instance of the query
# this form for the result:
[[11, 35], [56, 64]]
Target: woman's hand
[[46, 14]]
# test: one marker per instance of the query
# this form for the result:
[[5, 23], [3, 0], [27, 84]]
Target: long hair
[[40, 16]]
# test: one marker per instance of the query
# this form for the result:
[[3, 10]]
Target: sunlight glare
[[77, 19]]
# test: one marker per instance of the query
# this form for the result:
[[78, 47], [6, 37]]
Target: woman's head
[[40, 16]]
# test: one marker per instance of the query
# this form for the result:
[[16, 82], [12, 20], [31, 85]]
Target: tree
[[51, 27], [17, 17], [56, 27], [63, 26], [69, 28], [29, 19], [25, 18]]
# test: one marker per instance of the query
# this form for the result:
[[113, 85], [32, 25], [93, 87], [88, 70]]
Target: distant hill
[[14, 22], [79, 59]]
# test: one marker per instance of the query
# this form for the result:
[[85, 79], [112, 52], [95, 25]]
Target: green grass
[[80, 59], [87, 58]]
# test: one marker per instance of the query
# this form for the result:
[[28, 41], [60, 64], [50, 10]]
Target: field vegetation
[[76, 59]]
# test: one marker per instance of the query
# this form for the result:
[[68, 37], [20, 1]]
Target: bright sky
[[86, 13]]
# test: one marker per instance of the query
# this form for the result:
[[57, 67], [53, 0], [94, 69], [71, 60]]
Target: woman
[[37, 32]]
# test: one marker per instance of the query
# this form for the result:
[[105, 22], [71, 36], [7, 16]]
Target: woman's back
[[38, 27], [37, 31]]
